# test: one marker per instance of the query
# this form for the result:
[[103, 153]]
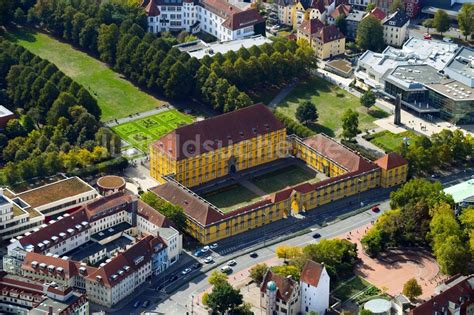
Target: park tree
[[441, 21], [370, 6], [368, 99], [466, 19], [452, 255], [412, 289], [428, 23], [287, 271], [172, 212], [350, 124], [419, 189], [107, 39], [224, 298], [217, 277], [257, 272], [396, 5], [306, 112], [14, 129], [365, 312], [287, 252], [178, 85], [370, 34]]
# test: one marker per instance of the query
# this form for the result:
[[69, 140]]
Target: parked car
[[213, 246], [198, 253], [427, 36], [196, 265], [186, 271], [316, 235], [209, 260], [447, 40], [375, 209], [232, 263], [145, 304], [205, 249], [136, 304], [254, 255], [226, 269], [173, 278]]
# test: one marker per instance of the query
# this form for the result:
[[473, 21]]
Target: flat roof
[[199, 49], [453, 89], [56, 191], [5, 111], [82, 252], [414, 76], [461, 191], [57, 305], [341, 65], [462, 66], [111, 231]]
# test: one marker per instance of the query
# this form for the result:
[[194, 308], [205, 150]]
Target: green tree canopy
[[350, 124], [370, 34], [412, 289], [396, 5], [368, 99], [306, 112], [441, 21], [172, 212], [466, 19], [257, 272], [224, 298]]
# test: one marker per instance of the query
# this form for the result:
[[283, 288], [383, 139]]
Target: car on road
[[136, 304], [316, 235], [173, 278], [209, 260], [232, 263], [213, 246], [159, 288], [254, 255], [198, 253], [376, 209], [427, 36], [196, 265], [226, 270], [186, 271], [145, 303]]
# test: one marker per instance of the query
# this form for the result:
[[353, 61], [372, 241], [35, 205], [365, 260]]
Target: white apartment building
[[395, 28], [314, 288], [219, 18]]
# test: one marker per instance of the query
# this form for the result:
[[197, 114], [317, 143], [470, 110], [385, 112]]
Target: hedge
[[115, 164], [294, 127]]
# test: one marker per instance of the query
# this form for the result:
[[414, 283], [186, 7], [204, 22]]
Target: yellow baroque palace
[[210, 149]]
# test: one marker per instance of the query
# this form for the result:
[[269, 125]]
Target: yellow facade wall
[[395, 176]]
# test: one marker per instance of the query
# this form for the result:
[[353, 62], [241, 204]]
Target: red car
[[427, 36], [376, 209]]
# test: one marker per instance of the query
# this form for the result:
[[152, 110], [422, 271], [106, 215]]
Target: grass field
[[350, 288], [277, 180], [331, 103], [389, 141], [141, 132], [116, 96], [231, 197]]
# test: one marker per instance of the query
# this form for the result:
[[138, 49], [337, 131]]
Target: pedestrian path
[[152, 112]]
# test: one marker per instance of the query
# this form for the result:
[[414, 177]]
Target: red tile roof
[[219, 7], [329, 33], [460, 295], [130, 257], [342, 9], [378, 14], [69, 267], [311, 273], [310, 27], [285, 286], [318, 5], [338, 153], [390, 161], [53, 230], [220, 131], [243, 19], [109, 204], [152, 215], [151, 8]]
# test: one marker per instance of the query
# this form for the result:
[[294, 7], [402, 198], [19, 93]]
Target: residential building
[[378, 14], [199, 48], [352, 23], [284, 11], [240, 140], [26, 296], [24, 211], [327, 41], [395, 28], [107, 248], [308, 9], [219, 18], [412, 8], [314, 288], [360, 4], [279, 295], [454, 297], [342, 9], [5, 116]]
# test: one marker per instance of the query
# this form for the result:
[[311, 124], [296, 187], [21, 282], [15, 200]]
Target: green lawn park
[[116, 96], [141, 132], [390, 141], [331, 103]]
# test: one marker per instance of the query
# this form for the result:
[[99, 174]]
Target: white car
[[205, 249], [213, 246], [186, 271], [232, 263], [209, 260]]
